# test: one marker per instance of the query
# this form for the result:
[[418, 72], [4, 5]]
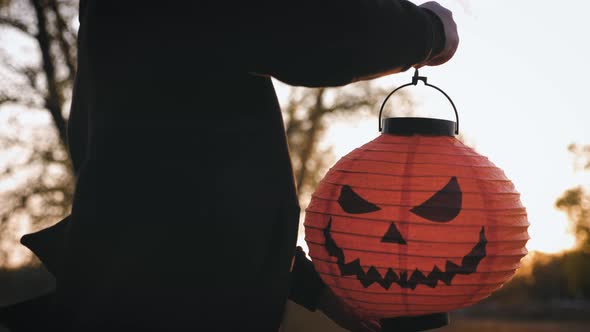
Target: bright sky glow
[[518, 80]]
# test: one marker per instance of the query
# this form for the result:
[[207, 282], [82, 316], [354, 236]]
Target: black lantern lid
[[419, 126], [415, 323]]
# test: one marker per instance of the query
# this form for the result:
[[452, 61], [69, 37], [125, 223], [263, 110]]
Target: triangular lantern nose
[[393, 235]]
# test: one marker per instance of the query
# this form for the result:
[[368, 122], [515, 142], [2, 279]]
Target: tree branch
[[66, 48], [15, 24], [308, 149], [349, 105], [7, 99], [53, 99]]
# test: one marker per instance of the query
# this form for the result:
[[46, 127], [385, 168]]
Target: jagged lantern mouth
[[451, 198]]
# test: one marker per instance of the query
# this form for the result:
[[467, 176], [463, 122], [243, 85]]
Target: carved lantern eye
[[415, 225], [443, 206]]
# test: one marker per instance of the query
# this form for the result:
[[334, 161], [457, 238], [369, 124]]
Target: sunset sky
[[519, 83]]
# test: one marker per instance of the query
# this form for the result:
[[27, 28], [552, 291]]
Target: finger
[[374, 325], [367, 326], [442, 58], [436, 61]]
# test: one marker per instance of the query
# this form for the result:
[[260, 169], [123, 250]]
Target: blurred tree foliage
[[37, 70], [552, 286], [308, 114], [576, 203], [566, 275], [36, 181]]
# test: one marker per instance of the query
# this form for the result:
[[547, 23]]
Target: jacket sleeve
[[30, 315], [305, 283], [301, 42], [334, 42]]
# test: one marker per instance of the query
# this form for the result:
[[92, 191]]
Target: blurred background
[[517, 80]]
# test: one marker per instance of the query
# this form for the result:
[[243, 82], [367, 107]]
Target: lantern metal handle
[[415, 80]]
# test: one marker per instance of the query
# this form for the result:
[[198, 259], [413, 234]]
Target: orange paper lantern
[[415, 224]]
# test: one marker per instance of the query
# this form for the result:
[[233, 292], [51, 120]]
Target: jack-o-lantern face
[[442, 207], [415, 225]]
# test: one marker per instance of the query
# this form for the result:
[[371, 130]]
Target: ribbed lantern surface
[[413, 225]]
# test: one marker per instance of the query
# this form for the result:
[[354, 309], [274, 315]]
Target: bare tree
[[36, 182], [307, 114], [39, 80]]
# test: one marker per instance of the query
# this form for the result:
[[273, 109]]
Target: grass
[[298, 319], [490, 325]]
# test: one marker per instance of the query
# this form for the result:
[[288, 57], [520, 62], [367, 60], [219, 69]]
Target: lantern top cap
[[415, 80], [419, 126]]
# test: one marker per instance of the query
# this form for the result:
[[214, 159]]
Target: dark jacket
[[185, 212]]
